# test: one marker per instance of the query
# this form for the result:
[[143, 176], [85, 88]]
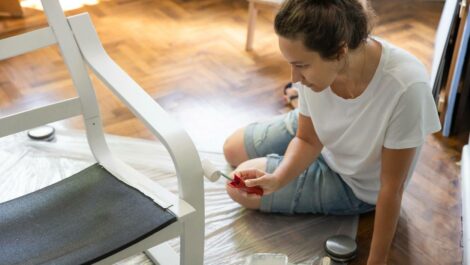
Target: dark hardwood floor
[[189, 56]]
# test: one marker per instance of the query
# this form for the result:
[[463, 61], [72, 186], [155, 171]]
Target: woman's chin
[[314, 88]]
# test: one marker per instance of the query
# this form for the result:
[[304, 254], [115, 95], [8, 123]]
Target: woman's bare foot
[[291, 96]]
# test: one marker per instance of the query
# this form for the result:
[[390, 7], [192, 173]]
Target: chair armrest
[[174, 137]]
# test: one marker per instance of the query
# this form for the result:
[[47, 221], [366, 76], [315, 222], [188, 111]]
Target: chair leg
[[252, 13], [191, 247], [163, 254], [192, 243]]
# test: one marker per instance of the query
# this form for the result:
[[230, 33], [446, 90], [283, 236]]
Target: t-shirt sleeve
[[414, 117], [303, 107]]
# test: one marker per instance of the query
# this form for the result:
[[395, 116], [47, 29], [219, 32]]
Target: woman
[[365, 108]]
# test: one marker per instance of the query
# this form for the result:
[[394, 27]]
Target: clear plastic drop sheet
[[232, 233]]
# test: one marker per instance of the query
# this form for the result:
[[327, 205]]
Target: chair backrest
[[80, 46], [60, 33]]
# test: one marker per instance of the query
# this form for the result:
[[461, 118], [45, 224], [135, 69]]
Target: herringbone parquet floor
[[189, 56]]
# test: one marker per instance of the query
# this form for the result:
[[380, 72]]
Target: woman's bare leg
[[234, 148]]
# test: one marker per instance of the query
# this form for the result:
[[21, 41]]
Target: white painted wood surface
[[26, 42]]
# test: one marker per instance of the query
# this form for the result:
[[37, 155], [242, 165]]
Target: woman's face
[[307, 66]]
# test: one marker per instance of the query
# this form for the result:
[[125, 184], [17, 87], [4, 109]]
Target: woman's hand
[[255, 177]]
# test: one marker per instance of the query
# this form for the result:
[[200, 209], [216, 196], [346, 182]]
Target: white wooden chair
[[108, 211]]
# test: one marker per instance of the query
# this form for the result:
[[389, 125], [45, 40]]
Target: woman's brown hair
[[325, 26]]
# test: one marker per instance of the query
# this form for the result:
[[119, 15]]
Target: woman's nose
[[295, 75]]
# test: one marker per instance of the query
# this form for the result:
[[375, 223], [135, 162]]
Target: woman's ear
[[342, 57], [342, 52]]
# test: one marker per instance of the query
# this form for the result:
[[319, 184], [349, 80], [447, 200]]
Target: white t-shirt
[[396, 111]]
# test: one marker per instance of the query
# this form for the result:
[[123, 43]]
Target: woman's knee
[[234, 148], [258, 163]]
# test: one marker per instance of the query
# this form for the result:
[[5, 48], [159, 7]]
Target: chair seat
[[79, 220]]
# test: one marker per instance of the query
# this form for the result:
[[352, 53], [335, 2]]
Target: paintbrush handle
[[225, 176]]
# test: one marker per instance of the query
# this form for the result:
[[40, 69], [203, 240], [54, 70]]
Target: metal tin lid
[[341, 248], [42, 133]]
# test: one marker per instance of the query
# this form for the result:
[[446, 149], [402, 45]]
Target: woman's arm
[[395, 167], [301, 152]]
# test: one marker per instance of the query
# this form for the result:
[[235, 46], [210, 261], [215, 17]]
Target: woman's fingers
[[249, 173], [244, 193], [257, 181], [254, 182]]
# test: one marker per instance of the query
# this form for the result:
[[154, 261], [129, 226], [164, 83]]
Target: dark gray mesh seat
[[79, 220]]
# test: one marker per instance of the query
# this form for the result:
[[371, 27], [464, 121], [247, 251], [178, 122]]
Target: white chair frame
[[79, 43]]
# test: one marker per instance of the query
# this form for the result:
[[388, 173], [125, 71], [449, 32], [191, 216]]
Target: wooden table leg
[[11, 8]]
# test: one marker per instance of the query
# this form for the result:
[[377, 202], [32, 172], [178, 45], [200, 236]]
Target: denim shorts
[[318, 190]]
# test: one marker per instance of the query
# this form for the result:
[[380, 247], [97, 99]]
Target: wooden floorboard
[[189, 56]]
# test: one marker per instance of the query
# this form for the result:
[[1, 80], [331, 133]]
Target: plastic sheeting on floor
[[232, 233]]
